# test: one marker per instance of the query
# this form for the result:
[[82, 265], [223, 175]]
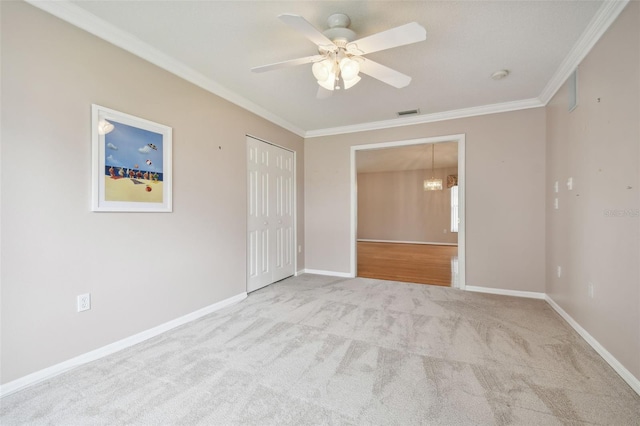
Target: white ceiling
[[215, 44]]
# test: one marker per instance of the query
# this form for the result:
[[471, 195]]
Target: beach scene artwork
[[133, 165]]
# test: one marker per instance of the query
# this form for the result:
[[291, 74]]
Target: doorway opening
[[401, 239]]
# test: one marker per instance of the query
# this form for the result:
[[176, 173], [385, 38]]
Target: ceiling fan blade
[[289, 63], [386, 75], [399, 36], [303, 26]]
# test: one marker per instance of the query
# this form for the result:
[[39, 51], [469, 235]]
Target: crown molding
[[603, 19], [80, 18], [607, 13], [86, 21], [428, 118]]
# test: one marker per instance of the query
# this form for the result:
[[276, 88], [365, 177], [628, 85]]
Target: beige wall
[[595, 234], [505, 156], [141, 269], [53, 248], [394, 206]]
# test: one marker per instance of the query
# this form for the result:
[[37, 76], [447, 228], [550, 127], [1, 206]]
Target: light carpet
[[315, 350]]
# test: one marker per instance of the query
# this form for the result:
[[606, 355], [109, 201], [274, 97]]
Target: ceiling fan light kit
[[328, 72], [341, 58]]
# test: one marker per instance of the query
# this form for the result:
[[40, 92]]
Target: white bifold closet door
[[271, 237]]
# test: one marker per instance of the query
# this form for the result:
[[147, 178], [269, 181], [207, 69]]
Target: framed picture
[[131, 163]]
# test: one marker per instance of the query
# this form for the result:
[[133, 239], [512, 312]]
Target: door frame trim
[[246, 207], [460, 139]]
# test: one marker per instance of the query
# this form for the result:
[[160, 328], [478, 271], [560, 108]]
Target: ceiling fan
[[340, 56]]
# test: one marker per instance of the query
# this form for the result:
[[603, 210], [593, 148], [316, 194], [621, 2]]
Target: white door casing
[[460, 139], [270, 224]]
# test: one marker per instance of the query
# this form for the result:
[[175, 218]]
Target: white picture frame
[[131, 156]]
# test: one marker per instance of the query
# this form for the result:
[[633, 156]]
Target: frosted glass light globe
[[349, 68], [321, 70]]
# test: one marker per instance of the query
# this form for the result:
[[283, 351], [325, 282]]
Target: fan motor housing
[[338, 31]]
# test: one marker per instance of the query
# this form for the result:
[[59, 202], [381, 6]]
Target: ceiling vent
[[408, 112]]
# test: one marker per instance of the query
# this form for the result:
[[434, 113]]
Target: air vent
[[408, 112]]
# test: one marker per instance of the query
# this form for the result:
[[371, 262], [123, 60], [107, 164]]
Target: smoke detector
[[499, 75]]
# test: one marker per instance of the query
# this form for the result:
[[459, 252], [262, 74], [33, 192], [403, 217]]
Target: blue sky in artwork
[[127, 146]]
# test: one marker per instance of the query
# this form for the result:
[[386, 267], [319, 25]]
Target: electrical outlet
[[299, 249], [591, 290], [555, 204], [559, 271], [84, 302]]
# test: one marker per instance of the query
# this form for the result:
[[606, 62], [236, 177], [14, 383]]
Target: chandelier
[[432, 184]]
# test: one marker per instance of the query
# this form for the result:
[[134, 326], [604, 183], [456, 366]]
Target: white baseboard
[[430, 243], [329, 273], [516, 293], [57, 369], [626, 375], [49, 372]]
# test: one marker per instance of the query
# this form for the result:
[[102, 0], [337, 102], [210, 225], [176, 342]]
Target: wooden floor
[[415, 263]]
